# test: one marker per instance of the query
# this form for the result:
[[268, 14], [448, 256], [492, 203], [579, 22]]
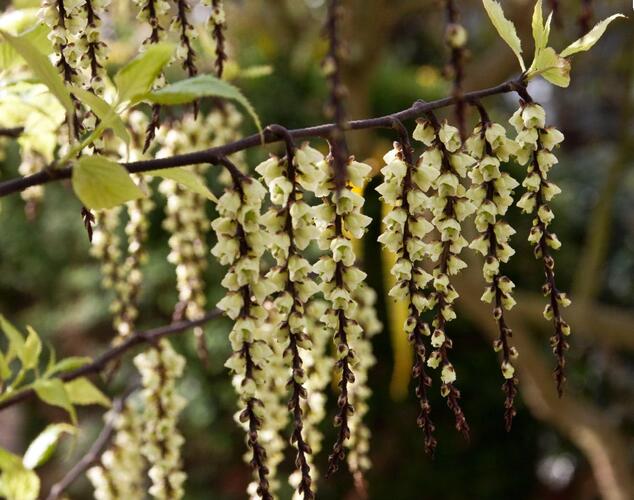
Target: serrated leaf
[[137, 77], [552, 67], [587, 41], [43, 446], [53, 392], [68, 364], [19, 483], [82, 391], [32, 349], [101, 183], [505, 28], [191, 89], [107, 115], [42, 68], [186, 178], [15, 338], [541, 31]]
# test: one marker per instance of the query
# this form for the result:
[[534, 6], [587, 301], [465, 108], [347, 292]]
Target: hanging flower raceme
[[449, 206], [217, 24], [120, 472], [339, 220], [360, 392], [536, 142], [91, 47], [160, 367], [290, 223], [272, 393], [492, 194], [241, 243], [181, 24], [318, 365], [405, 227]]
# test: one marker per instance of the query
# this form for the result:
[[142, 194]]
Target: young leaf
[[107, 115], [19, 483], [5, 370], [54, 393], [587, 41], [190, 89], [82, 391], [505, 28], [32, 349], [541, 31], [43, 446], [8, 460], [42, 68], [16, 341], [101, 183], [137, 77], [187, 179], [552, 67], [68, 364]]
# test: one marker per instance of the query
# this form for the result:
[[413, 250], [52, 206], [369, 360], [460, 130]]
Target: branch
[[93, 455], [13, 132], [214, 155], [102, 362]]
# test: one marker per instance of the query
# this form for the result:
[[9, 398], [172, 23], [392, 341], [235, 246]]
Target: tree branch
[[93, 455], [13, 132], [214, 155], [102, 361]]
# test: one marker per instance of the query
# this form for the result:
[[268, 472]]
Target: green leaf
[[82, 391], [107, 115], [68, 364], [189, 90], [187, 179], [551, 67], [505, 28], [101, 183], [42, 69], [541, 31], [43, 446], [19, 483], [22, 22], [137, 77], [5, 370], [16, 341], [32, 349], [54, 393], [8, 460], [587, 41]]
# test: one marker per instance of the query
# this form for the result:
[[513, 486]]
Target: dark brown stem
[[214, 155], [218, 34]]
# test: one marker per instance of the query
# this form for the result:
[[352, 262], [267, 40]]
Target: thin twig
[[93, 455], [102, 361], [213, 155], [13, 132]]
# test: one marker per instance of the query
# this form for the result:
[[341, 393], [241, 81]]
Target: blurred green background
[[579, 447]]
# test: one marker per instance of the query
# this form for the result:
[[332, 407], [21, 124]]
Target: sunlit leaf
[[552, 67], [101, 183], [541, 31], [42, 68], [191, 89], [23, 22], [15, 338], [43, 446], [137, 77], [82, 391], [187, 179], [19, 483], [505, 28], [68, 364], [32, 349], [588, 40], [53, 392], [5, 370], [107, 115]]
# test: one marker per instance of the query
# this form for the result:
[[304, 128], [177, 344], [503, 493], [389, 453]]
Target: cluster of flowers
[[492, 194], [160, 367], [120, 472], [536, 142], [241, 244]]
